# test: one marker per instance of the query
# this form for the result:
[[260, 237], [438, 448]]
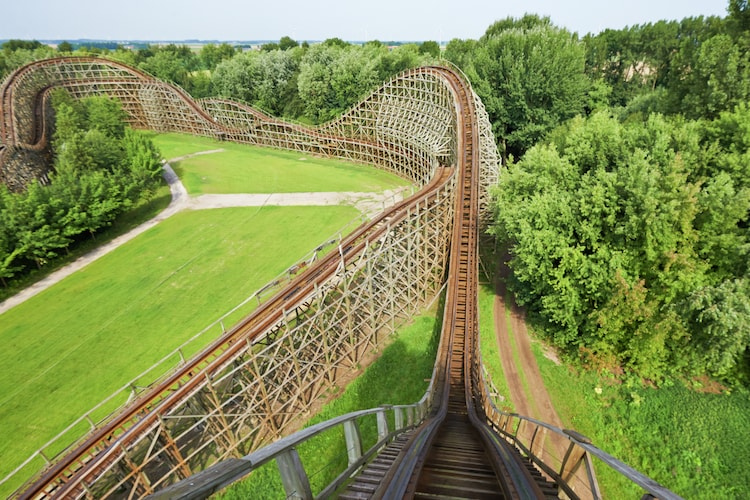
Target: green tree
[[15, 45], [264, 79], [211, 54], [461, 53], [720, 320], [270, 46], [276, 85], [106, 114], [238, 77], [171, 63], [430, 47], [531, 79], [314, 81], [143, 163], [600, 225], [9, 252], [718, 80], [739, 18], [335, 42], [287, 43], [64, 47], [36, 219]]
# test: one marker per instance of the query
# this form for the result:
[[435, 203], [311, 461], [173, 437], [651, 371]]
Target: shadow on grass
[[400, 375]]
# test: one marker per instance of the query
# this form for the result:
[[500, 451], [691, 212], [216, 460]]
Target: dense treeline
[[625, 204], [313, 83], [630, 239], [101, 168]]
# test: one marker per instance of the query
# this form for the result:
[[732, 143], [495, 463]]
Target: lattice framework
[[255, 395]]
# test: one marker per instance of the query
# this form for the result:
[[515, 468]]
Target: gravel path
[[367, 203]]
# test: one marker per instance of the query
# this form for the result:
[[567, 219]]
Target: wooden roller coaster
[[249, 386]]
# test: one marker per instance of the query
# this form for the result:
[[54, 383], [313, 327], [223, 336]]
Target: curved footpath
[[367, 203]]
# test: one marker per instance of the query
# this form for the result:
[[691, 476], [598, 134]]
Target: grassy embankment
[[692, 442], [71, 346]]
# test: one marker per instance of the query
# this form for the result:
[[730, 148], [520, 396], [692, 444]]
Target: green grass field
[[71, 346], [691, 442], [244, 169]]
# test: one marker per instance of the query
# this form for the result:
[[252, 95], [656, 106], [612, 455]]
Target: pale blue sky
[[384, 20]]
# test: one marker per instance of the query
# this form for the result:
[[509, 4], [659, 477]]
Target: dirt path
[[527, 391]]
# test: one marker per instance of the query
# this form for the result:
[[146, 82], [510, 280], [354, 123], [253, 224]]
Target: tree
[[720, 320], [287, 43], [275, 87], [211, 55], [106, 114], [238, 77], [270, 46], [9, 252], [335, 42], [143, 163], [8, 269], [600, 226], [171, 63], [530, 78], [739, 17], [314, 81], [64, 47], [430, 48], [264, 79], [37, 220], [14, 45], [718, 80], [461, 53]]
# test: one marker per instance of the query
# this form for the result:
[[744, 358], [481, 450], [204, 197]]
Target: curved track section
[[248, 387], [454, 454]]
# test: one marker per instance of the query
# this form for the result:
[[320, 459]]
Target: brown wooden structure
[[248, 387]]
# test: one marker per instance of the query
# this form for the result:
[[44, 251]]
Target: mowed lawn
[[68, 348], [246, 169]]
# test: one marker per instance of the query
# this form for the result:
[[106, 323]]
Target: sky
[[385, 20]]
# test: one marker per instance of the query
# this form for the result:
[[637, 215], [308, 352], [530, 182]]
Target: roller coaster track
[[248, 387], [407, 127]]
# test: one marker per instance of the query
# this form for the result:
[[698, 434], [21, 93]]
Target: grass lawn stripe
[[251, 169]]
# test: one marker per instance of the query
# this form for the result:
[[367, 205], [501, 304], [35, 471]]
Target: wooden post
[[293, 476], [353, 440], [399, 412], [383, 422]]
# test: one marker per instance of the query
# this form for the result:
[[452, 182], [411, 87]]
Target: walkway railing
[[533, 438], [560, 453]]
